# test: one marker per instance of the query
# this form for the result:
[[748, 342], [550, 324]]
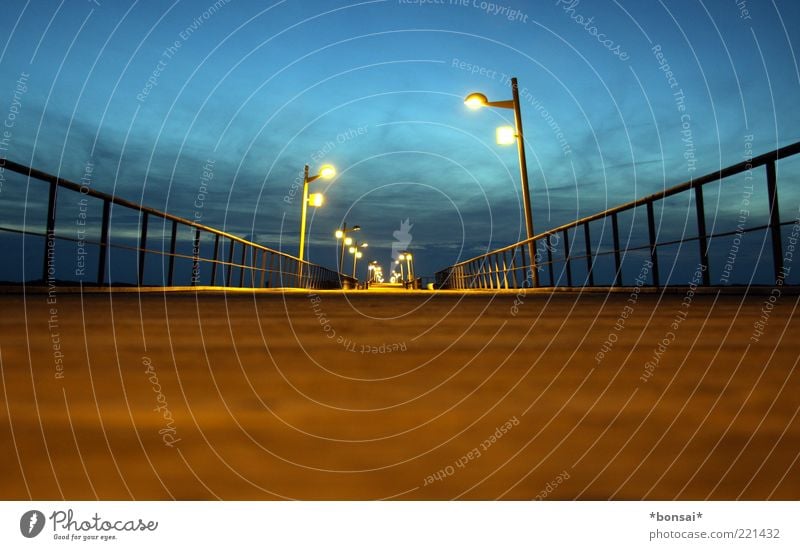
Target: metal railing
[[246, 264], [508, 267]]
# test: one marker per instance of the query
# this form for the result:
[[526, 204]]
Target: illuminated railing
[[509, 267], [231, 260]]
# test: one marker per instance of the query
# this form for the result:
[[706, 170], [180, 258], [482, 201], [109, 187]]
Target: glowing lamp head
[[339, 233], [476, 101], [358, 255], [348, 241], [401, 257], [352, 250], [408, 256], [327, 171], [506, 135], [316, 199], [364, 245]]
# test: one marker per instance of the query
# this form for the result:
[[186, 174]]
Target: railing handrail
[[738, 168], [62, 182]]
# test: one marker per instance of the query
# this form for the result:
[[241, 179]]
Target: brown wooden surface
[[266, 405]]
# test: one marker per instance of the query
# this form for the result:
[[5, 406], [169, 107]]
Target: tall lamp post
[[341, 234], [406, 255], [357, 254], [506, 137], [327, 172]]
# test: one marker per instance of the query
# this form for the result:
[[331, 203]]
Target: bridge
[[608, 365]]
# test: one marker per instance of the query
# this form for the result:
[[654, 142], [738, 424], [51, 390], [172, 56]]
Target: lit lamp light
[[316, 199], [341, 234], [504, 136], [475, 101], [398, 262], [327, 172]]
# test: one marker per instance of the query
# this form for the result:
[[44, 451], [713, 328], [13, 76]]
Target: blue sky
[[376, 88]]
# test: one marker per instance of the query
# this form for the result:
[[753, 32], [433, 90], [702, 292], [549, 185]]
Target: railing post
[[172, 242], [774, 221], [505, 270], [548, 246], [101, 266], [241, 265], [651, 230], [514, 267], [271, 271], [49, 239], [229, 272], [263, 268], [617, 258], [701, 233], [196, 258], [214, 261], [142, 247], [525, 270], [566, 257], [589, 264]]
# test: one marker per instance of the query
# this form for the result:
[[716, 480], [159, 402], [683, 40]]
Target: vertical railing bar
[[525, 270], [196, 258], [701, 233], [271, 271], [505, 271], [548, 246], [214, 260], [263, 268], [241, 265], [617, 256], [589, 263], [142, 247], [229, 271], [774, 221], [101, 266], [514, 267], [651, 230], [49, 239], [566, 257], [172, 242]]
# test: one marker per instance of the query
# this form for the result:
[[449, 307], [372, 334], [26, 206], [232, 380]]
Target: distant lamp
[[348, 241], [339, 233], [506, 135], [352, 250]]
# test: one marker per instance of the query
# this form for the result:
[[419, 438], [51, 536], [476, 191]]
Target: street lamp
[[409, 265], [326, 172], [357, 254], [374, 271], [398, 262], [341, 234], [506, 137]]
